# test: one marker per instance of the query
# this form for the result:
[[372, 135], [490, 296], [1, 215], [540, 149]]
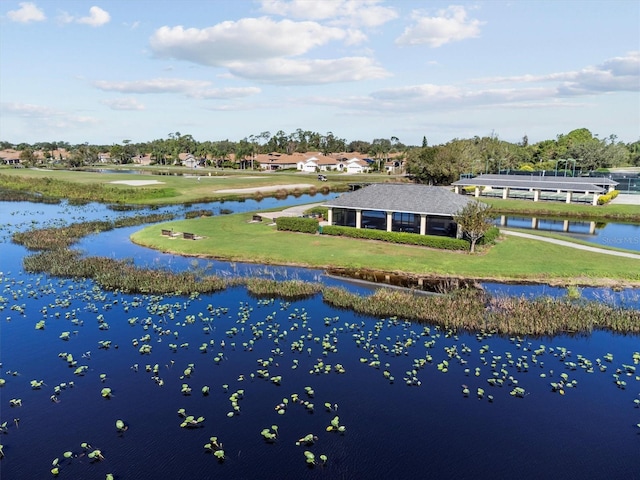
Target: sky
[[106, 71]]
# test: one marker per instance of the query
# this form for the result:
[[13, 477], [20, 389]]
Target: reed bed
[[54, 238], [470, 310], [120, 275], [289, 289]]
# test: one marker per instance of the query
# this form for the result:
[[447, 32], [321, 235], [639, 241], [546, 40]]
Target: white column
[[389, 221], [536, 195], [358, 218], [477, 192], [569, 197], [423, 224], [595, 198], [505, 193], [456, 189], [330, 216]]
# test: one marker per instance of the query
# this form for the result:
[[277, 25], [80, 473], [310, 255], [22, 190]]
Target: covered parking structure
[[567, 189], [422, 209]]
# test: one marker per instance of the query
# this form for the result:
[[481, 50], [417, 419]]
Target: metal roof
[[583, 184], [402, 198]]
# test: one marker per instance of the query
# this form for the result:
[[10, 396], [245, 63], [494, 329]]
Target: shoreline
[[580, 282]]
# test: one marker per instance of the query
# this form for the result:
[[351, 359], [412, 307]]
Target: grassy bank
[[511, 259]]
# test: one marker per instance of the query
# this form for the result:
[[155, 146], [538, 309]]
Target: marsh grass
[[289, 289], [470, 310], [53, 238]]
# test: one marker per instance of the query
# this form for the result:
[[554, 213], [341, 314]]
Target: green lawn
[[234, 238]]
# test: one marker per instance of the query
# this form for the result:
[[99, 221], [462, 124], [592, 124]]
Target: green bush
[[432, 241], [489, 238], [602, 199], [297, 224]]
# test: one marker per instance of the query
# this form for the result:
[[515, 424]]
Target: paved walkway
[[571, 244], [295, 211], [627, 199]]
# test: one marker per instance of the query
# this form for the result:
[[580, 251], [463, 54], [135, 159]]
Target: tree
[[27, 157], [474, 219]]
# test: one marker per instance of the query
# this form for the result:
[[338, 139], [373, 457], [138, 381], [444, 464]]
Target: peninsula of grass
[[236, 238]]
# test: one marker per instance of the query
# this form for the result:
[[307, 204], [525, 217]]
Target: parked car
[[322, 178]]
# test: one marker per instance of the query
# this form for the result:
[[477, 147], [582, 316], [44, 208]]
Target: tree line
[[577, 151]]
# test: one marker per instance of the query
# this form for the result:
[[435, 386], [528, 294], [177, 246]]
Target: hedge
[[297, 224], [602, 199], [432, 241]]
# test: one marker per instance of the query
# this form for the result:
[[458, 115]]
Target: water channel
[[403, 416]]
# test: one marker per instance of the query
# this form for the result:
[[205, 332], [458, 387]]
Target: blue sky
[[104, 71]]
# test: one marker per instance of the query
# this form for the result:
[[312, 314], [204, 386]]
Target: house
[[188, 160], [357, 165], [278, 161], [10, 157], [398, 207]]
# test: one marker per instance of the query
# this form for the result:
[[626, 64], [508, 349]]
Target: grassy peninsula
[[511, 259]]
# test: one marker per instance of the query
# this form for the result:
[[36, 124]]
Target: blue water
[[619, 235], [393, 431]]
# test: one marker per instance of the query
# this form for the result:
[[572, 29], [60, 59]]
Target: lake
[[609, 234], [405, 411]]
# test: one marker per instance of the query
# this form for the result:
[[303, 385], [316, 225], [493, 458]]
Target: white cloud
[[613, 75], [28, 12], [123, 104], [226, 93], [308, 72], [261, 49], [190, 88], [46, 116], [450, 25], [248, 39], [156, 85], [366, 13], [97, 17]]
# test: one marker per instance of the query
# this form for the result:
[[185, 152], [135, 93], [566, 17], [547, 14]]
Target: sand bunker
[[266, 188], [137, 183]]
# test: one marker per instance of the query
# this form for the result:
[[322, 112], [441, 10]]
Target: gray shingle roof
[[592, 184], [405, 198]]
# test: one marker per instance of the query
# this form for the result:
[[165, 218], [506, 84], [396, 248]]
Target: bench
[[189, 236]]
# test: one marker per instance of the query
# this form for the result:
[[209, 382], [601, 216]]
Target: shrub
[[198, 213], [490, 236], [297, 224], [432, 241], [602, 199]]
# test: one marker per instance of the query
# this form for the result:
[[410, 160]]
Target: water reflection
[[621, 235]]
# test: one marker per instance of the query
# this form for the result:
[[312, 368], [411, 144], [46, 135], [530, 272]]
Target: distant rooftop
[[539, 182], [402, 198]]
